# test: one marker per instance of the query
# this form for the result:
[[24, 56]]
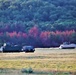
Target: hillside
[[48, 15], [41, 23]]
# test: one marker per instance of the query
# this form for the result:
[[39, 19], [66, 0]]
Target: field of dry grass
[[42, 60]]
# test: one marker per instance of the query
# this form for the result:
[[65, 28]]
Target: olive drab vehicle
[[7, 47]]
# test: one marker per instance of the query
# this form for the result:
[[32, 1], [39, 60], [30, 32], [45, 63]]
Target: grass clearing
[[43, 60]]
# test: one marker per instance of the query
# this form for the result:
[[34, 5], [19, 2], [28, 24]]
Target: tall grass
[[62, 63]]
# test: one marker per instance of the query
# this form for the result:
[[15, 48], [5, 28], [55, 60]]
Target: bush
[[27, 70]]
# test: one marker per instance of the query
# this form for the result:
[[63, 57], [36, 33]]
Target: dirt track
[[48, 51], [43, 51], [54, 50]]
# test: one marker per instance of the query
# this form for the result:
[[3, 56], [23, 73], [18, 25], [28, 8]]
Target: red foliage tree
[[34, 32], [24, 35], [45, 38], [12, 34]]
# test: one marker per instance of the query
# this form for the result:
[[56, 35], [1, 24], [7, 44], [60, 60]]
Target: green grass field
[[46, 61]]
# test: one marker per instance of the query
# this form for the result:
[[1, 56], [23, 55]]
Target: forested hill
[[47, 15]]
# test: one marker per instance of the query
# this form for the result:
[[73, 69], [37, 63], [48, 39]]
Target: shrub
[[27, 70]]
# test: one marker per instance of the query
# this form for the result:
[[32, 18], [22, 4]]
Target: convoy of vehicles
[[7, 47], [16, 48]]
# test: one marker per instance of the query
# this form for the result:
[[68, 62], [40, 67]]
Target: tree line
[[38, 38]]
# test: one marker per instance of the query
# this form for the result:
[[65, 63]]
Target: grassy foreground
[[43, 60]]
